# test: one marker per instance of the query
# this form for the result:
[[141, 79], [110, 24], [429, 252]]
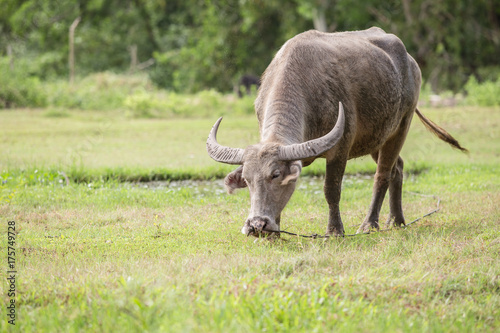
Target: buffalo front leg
[[333, 185]]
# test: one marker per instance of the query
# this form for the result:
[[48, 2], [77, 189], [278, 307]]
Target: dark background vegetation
[[201, 44]]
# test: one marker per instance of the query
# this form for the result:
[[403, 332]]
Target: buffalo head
[[270, 171]]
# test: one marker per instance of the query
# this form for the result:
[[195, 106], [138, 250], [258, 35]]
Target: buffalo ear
[[295, 170], [234, 180]]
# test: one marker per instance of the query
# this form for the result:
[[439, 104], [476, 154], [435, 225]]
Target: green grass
[[102, 255], [108, 145]]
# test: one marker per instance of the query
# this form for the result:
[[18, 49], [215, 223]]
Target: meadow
[[123, 224]]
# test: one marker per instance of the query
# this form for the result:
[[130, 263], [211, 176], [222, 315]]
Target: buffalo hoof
[[394, 222], [335, 233], [367, 227]]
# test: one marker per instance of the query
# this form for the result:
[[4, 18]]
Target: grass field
[[98, 253]]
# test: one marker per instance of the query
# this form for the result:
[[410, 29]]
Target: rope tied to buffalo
[[315, 236]]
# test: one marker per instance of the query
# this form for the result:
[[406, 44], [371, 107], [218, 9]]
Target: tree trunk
[[10, 56], [71, 60], [319, 19], [133, 58]]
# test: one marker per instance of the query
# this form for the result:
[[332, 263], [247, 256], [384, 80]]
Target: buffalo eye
[[275, 174]]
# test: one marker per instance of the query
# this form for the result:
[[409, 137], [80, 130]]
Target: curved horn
[[317, 146], [221, 153]]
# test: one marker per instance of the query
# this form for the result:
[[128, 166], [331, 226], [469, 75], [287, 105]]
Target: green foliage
[[483, 94], [143, 105], [137, 96], [102, 39], [444, 37], [230, 38], [99, 91], [162, 74], [201, 45], [162, 104], [18, 88]]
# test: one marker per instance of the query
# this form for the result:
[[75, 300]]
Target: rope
[[314, 236]]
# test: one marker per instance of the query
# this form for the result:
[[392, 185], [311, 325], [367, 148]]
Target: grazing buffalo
[[247, 81], [333, 95]]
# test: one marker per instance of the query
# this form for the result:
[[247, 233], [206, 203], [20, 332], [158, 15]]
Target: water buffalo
[[333, 95], [247, 81]]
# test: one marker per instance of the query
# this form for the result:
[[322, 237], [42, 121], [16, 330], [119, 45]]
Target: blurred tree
[[107, 29], [199, 44], [450, 39], [320, 12], [228, 39]]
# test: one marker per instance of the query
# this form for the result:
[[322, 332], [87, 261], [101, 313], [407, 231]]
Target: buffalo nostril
[[258, 224], [254, 226]]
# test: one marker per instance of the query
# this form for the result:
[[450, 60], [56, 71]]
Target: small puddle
[[200, 188], [315, 184]]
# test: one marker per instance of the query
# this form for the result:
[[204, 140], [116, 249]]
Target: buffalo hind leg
[[396, 216], [389, 175], [333, 184]]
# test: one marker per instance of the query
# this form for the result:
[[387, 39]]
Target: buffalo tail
[[440, 132]]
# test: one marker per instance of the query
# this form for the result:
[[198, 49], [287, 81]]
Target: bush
[[207, 103], [162, 73], [99, 91], [483, 94], [486, 93], [135, 94], [143, 105], [18, 88]]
